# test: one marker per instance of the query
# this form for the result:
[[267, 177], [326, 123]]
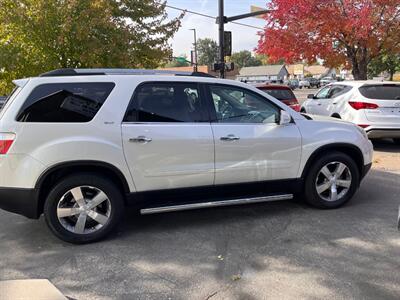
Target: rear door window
[[65, 102], [338, 90], [155, 102], [381, 91]]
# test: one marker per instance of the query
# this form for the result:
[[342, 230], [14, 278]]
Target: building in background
[[300, 71], [319, 72], [269, 73]]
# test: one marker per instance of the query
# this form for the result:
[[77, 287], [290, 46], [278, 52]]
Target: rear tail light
[[362, 125], [295, 107], [363, 105], [6, 140]]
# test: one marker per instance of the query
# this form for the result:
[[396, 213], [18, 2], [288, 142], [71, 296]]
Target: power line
[[211, 17]]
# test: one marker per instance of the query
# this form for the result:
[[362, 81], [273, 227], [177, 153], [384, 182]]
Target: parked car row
[[307, 82], [374, 106], [79, 145]]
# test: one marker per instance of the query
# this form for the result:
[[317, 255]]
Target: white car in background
[[327, 80], [374, 106], [304, 84]]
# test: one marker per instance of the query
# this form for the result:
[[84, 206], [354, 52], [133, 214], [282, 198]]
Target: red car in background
[[282, 93]]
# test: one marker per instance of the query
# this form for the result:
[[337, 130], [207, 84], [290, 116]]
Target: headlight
[[362, 131]]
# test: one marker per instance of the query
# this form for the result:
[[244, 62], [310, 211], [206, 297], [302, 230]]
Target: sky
[[243, 38]]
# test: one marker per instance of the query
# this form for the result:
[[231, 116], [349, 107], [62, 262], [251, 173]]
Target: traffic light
[[227, 43]]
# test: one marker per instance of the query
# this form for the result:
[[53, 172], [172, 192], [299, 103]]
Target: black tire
[[114, 197], [396, 141], [311, 195]]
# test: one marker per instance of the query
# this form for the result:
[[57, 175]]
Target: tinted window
[[236, 105], [381, 92], [338, 90], [64, 102], [280, 94], [165, 102]]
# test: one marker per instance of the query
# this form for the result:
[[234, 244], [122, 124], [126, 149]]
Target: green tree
[[245, 59], [40, 35], [207, 51], [385, 62], [263, 58]]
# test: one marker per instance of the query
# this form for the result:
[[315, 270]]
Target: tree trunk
[[391, 72], [360, 70], [359, 61]]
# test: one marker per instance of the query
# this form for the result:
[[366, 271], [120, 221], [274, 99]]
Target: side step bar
[[163, 209]]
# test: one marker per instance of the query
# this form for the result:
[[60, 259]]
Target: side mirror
[[310, 96], [285, 118]]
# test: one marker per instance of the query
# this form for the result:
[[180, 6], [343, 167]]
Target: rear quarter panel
[[48, 144]]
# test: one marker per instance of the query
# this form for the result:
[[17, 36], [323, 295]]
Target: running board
[[163, 209]]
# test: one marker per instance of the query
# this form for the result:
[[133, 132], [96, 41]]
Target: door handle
[[140, 139], [230, 137]]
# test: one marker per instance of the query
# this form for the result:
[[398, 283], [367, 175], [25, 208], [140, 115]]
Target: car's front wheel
[[83, 208], [331, 181]]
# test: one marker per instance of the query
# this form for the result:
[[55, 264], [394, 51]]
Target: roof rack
[[86, 72]]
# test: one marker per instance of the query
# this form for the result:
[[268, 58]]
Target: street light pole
[[195, 50], [221, 23]]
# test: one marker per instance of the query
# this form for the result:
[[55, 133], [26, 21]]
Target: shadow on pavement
[[386, 145], [274, 250]]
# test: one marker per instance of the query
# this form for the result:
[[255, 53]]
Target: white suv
[[79, 145], [374, 106]]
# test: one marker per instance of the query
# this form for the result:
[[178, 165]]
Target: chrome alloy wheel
[[333, 181], [84, 209]]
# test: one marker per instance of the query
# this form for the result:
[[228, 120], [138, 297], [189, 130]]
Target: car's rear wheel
[[331, 181], [83, 208]]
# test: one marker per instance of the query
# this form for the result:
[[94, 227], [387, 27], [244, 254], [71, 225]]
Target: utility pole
[[195, 50], [221, 23], [221, 20]]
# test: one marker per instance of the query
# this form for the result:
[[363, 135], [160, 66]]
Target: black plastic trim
[[93, 72], [334, 146], [20, 201], [83, 163], [214, 193], [365, 170], [68, 72]]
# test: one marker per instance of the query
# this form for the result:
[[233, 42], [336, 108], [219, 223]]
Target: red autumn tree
[[347, 33]]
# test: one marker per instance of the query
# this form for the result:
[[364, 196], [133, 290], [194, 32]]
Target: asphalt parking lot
[[281, 250], [274, 250], [301, 94]]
